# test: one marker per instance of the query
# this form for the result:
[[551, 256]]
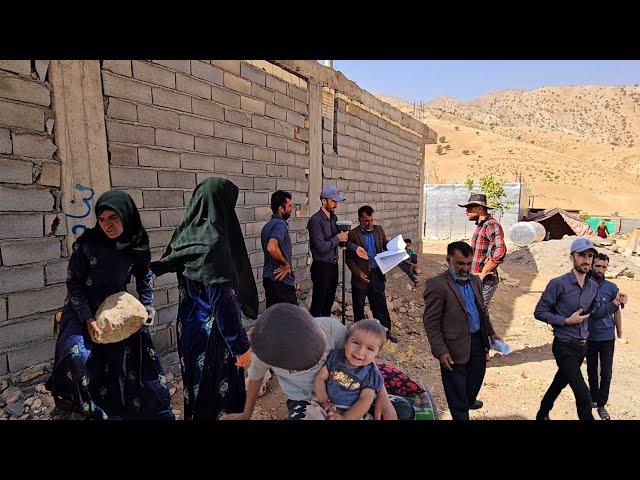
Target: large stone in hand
[[120, 316]]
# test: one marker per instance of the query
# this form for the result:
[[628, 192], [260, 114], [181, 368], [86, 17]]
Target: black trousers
[[408, 270], [604, 350], [569, 356], [278, 292], [462, 385], [324, 276], [377, 299]]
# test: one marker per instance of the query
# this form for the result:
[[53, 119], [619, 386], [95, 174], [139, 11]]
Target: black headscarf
[[208, 245], [134, 239]]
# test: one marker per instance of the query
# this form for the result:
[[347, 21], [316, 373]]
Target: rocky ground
[[513, 385]]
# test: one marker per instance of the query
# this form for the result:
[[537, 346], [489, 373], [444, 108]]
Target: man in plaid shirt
[[487, 243]]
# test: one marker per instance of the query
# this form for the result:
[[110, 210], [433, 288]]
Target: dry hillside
[[576, 146]]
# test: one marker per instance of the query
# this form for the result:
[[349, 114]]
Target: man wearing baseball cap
[[324, 239], [566, 304]]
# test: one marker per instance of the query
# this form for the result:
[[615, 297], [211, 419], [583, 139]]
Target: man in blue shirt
[[565, 304], [601, 340], [367, 280], [277, 276]]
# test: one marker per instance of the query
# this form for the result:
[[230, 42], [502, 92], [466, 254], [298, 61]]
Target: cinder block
[[6, 145], [30, 251], [56, 272], [126, 133], [23, 116], [260, 183], [189, 123], [158, 158], [254, 137], [21, 67], [262, 123], [35, 146], [20, 226], [239, 150], [237, 84], [170, 138], [207, 72], [229, 165], [252, 105], [301, 107], [158, 117], [25, 200], [180, 65], [162, 340], [254, 168], [194, 161], [229, 132], [171, 99], [188, 84], [286, 184], [162, 198], [225, 96], [276, 112], [295, 172], [154, 74], [38, 301], [264, 154], [166, 279], [32, 354], [283, 128], [276, 84], [176, 179], [285, 158], [159, 238], [276, 142], [210, 145], [150, 218], [121, 109], [133, 177], [126, 88], [252, 73], [295, 118], [123, 155], [297, 147], [232, 66], [245, 214], [15, 171], [18, 279], [208, 108], [262, 93], [121, 67], [243, 182], [24, 90], [237, 117], [171, 218], [276, 171], [283, 100]]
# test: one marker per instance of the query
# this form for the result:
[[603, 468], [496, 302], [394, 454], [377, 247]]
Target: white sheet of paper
[[394, 254]]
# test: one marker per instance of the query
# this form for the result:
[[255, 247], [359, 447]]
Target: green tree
[[494, 190]]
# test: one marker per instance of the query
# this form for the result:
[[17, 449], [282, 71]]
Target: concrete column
[[315, 145], [81, 138]]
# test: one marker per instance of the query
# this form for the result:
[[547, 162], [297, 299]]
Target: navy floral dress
[[121, 380], [210, 336]]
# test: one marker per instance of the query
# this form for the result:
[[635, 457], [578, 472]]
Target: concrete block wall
[[376, 162], [33, 254], [171, 124]]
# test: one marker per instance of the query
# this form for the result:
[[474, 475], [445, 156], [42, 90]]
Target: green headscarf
[[208, 245], [134, 238]]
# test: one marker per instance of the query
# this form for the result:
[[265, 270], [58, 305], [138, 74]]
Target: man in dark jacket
[[459, 329], [367, 281]]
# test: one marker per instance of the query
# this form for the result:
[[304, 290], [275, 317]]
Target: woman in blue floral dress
[[122, 380], [208, 253]]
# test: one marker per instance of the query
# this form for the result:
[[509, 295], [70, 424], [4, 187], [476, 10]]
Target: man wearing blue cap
[[324, 239], [565, 304]]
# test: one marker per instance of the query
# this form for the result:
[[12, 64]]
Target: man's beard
[[367, 229], [596, 276], [285, 216], [581, 268]]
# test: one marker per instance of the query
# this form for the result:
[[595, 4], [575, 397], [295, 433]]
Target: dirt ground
[[513, 385]]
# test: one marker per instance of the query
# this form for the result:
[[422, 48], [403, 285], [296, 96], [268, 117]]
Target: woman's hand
[[94, 330], [244, 360]]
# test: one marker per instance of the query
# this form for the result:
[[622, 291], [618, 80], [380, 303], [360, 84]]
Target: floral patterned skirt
[[212, 383], [121, 380]]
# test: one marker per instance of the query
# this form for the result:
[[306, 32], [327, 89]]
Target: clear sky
[[424, 80]]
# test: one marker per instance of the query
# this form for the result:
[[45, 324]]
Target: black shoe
[[476, 405], [392, 338], [604, 415], [539, 416]]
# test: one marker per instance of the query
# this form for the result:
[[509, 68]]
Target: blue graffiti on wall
[[86, 200]]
